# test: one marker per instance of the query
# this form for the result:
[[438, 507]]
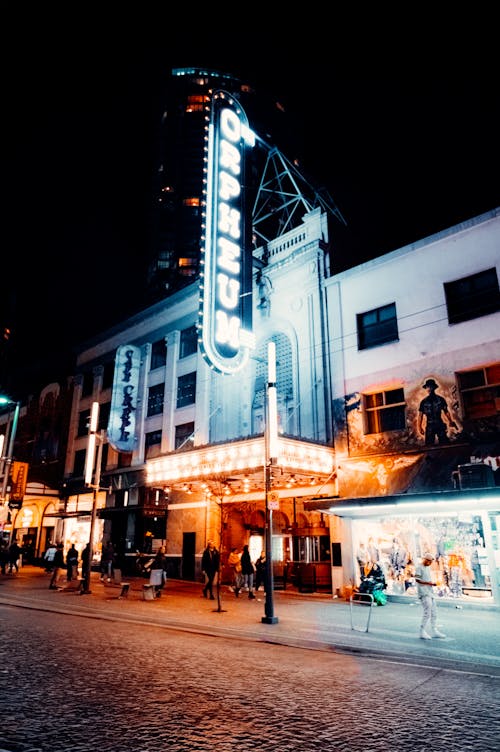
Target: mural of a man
[[434, 408]]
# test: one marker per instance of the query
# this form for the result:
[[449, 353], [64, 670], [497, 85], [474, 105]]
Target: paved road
[[93, 672]]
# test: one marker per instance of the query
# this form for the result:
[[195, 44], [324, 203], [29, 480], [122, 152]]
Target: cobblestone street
[[79, 683]]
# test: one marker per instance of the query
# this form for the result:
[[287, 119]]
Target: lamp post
[[12, 437], [89, 475], [271, 451]]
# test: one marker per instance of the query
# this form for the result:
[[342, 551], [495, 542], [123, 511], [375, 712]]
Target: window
[[152, 444], [377, 327], [186, 389], [184, 435], [384, 411], [158, 354], [108, 374], [480, 392], [88, 384], [188, 342], [104, 411], [83, 423], [79, 463], [471, 297], [155, 399]]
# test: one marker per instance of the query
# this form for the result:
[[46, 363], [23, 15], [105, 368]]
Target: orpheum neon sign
[[225, 316]]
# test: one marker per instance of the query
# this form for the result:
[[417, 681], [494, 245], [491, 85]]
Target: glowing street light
[[7, 459]]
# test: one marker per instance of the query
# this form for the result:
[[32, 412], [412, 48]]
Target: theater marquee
[[225, 315]]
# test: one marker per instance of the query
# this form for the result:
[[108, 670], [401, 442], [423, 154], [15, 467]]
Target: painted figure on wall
[[434, 418]]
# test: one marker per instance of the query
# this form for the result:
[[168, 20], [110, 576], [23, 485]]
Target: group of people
[[10, 557], [56, 562], [245, 574]]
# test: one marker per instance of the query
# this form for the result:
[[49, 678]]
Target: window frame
[[372, 334]]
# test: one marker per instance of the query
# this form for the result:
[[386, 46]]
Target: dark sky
[[403, 136]]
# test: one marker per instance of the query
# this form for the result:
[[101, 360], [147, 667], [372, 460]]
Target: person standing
[[158, 574], [425, 591], [247, 571], [58, 564], [210, 567], [71, 563], [107, 561], [234, 562], [260, 571], [15, 552], [86, 563], [49, 557]]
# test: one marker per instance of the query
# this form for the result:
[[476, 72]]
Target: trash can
[[148, 592]]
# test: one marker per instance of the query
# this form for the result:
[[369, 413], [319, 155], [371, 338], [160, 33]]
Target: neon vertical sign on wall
[[122, 417], [225, 316]]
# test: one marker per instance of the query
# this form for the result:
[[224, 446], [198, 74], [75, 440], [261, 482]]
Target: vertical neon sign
[[225, 315]]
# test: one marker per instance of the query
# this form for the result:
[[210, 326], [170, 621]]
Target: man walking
[[425, 590]]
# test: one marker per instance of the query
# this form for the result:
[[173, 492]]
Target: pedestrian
[[425, 591], [260, 571], [58, 566], [15, 552], [71, 563], [247, 571], [4, 555], [107, 561], [158, 575], [48, 557], [234, 562], [86, 563], [210, 567]]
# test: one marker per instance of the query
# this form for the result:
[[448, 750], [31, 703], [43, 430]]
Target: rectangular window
[[385, 411], [184, 435], [152, 444], [79, 463], [155, 399], [186, 389], [158, 354], [104, 411], [188, 341], [471, 297], [377, 327], [88, 384], [108, 374], [480, 391], [83, 422]]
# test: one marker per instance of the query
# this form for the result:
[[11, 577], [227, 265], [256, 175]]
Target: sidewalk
[[313, 621]]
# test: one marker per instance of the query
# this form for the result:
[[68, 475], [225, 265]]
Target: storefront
[[461, 529]]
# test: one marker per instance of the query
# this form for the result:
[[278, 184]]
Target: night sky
[[403, 136]]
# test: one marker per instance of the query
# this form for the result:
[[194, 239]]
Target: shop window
[[155, 399], [152, 444], [480, 391], [184, 435], [384, 411], [188, 343], [377, 327], [158, 354], [186, 389], [471, 297]]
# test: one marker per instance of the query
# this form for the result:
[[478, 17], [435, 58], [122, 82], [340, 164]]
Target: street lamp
[[7, 459], [89, 473], [271, 451]]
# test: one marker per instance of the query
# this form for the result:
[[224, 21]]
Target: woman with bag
[[158, 576], [234, 561], [247, 571]]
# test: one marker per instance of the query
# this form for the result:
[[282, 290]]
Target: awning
[[437, 502]]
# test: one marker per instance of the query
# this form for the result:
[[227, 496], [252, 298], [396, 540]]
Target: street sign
[[273, 500]]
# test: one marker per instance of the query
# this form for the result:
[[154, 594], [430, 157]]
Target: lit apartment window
[[184, 435], [186, 389], [191, 201], [480, 391], [377, 327], [158, 353], [385, 411], [196, 102], [83, 423], [155, 399], [188, 341], [152, 444], [471, 297]]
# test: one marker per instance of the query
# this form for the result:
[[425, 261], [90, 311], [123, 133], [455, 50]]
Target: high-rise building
[[274, 187]]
